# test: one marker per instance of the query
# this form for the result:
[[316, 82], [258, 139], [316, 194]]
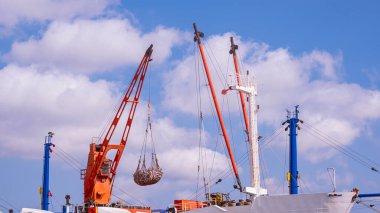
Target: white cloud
[[74, 108], [180, 83], [311, 80], [15, 11], [88, 46], [34, 102]]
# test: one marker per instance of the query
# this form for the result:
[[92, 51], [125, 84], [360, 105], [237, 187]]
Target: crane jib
[[99, 177]]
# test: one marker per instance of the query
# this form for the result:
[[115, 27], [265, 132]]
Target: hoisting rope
[[144, 175]]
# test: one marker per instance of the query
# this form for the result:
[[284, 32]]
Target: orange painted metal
[[186, 205], [101, 171], [138, 210], [198, 40], [244, 109]]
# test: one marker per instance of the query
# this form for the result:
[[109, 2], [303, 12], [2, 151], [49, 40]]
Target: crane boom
[[233, 49], [197, 38], [101, 171]]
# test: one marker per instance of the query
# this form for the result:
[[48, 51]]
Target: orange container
[[186, 205]]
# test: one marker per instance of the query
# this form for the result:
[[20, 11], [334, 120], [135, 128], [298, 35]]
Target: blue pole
[[45, 181], [369, 195], [293, 182]]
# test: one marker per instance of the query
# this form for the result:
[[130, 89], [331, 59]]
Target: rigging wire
[[243, 160], [340, 144], [339, 147], [285, 161], [218, 69], [69, 157], [3, 207], [128, 195], [121, 199], [9, 204], [67, 161], [264, 171], [56, 201], [197, 88], [109, 118], [214, 117]]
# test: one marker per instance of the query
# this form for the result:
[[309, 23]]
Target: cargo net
[[144, 175]]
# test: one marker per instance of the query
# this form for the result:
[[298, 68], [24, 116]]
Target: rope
[[144, 176]]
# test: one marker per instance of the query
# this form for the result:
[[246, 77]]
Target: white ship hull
[[305, 203]]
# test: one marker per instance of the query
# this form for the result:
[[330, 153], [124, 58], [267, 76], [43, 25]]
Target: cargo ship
[[100, 173]]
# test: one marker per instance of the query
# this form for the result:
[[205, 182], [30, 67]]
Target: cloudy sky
[[65, 64]]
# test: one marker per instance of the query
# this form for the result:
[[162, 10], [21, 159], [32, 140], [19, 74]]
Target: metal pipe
[[369, 195]]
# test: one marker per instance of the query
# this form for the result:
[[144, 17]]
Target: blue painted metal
[[293, 182], [45, 181], [369, 195]]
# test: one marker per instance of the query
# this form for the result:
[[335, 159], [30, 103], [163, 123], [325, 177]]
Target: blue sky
[[64, 64]]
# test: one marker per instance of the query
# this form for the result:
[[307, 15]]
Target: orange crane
[[101, 171]]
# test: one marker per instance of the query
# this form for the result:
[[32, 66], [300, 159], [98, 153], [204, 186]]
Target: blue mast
[[45, 181], [293, 172]]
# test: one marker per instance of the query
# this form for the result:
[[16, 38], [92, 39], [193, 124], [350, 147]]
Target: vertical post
[[254, 143], [293, 172], [45, 181]]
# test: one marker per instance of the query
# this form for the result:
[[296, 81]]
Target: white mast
[[251, 92]]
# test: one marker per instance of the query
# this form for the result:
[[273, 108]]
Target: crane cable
[[144, 175]]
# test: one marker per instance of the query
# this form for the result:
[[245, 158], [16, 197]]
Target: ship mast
[[293, 174], [233, 49], [251, 92], [45, 182], [197, 38]]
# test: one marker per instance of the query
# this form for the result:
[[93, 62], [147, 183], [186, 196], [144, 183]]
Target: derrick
[[197, 38], [233, 49], [101, 171]]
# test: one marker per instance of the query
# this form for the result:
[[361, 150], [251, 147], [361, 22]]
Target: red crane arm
[[105, 146], [224, 131], [233, 49]]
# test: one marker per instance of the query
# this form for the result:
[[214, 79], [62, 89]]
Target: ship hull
[[305, 203]]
